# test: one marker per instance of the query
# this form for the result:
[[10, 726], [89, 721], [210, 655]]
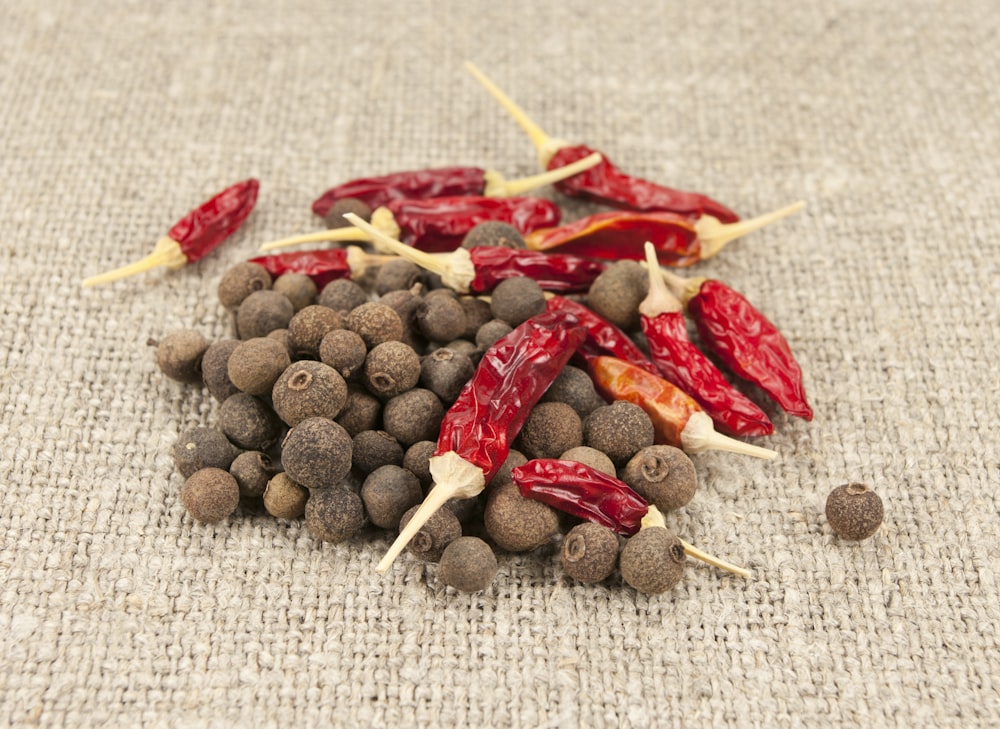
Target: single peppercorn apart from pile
[[179, 354], [652, 561], [437, 533], [589, 552], [308, 389], [663, 475], [256, 364], [516, 300], [854, 511], [240, 281], [202, 447], [284, 498], [467, 564], [334, 515], [210, 495]]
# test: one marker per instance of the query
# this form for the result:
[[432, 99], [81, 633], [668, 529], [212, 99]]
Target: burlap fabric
[[116, 118]]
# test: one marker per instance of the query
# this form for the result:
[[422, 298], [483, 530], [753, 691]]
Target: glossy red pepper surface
[[749, 344], [582, 491], [322, 266], [440, 224], [605, 183], [603, 337], [512, 375], [563, 273], [412, 184], [205, 227], [683, 364]]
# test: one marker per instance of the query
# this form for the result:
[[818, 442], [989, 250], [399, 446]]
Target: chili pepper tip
[[714, 235], [167, 253]]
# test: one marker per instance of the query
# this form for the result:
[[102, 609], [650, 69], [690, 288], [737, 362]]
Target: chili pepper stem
[[455, 269], [659, 300], [714, 235], [546, 145], [683, 288], [382, 220], [700, 435], [497, 186], [454, 477], [359, 261], [167, 252], [654, 518]]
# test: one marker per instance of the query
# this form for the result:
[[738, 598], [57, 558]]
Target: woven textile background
[[116, 118]]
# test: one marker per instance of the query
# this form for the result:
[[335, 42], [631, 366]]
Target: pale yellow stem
[[382, 219], [683, 288], [496, 186], [700, 435], [167, 253], [695, 553], [659, 300], [714, 235]]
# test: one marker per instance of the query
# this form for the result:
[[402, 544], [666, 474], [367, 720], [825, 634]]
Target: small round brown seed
[[396, 275], [589, 552], [491, 331], [178, 355], [518, 524], [362, 411], [414, 415], [416, 460], [252, 470], [574, 387], [477, 313], [493, 233], [334, 217], [262, 312], [256, 364], [249, 422], [390, 369], [215, 369], [308, 327], [620, 430], [437, 533], [298, 287], [375, 323], [210, 495], [617, 293], [652, 561], [441, 317], [342, 295], [334, 515], [308, 389], [467, 564], [517, 299], [317, 453], [445, 372], [240, 281], [285, 499], [374, 449], [343, 350], [663, 475], [387, 493], [514, 459], [281, 335], [202, 447], [854, 511], [551, 429], [590, 457]]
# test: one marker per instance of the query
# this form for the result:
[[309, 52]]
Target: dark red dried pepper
[[477, 430], [321, 266], [683, 364], [606, 183], [603, 337], [196, 234]]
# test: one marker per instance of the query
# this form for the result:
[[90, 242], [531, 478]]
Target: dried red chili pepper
[[678, 419], [593, 495], [478, 428], [605, 183], [196, 234], [321, 266], [603, 337], [745, 340], [478, 270], [678, 240], [439, 224], [684, 365], [444, 182]]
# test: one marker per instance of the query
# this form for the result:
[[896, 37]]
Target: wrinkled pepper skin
[[411, 184], [322, 266], [200, 231], [603, 337], [562, 273]]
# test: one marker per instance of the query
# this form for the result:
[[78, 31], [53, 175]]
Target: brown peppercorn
[[375, 323], [298, 287], [249, 422], [317, 453], [405, 303], [281, 335], [416, 460], [551, 429], [178, 355], [285, 499], [518, 524], [617, 293], [620, 430], [477, 312], [438, 532], [240, 281], [373, 449], [308, 327], [854, 511], [414, 415], [517, 299], [387, 493], [362, 411], [663, 475], [397, 274], [589, 552], [652, 561], [334, 515], [256, 364], [215, 369], [342, 295], [493, 233], [574, 387], [210, 495], [590, 457], [445, 372], [252, 470], [491, 331], [467, 564], [334, 217], [441, 317], [514, 459], [308, 389], [390, 369], [202, 447], [343, 350], [262, 312]]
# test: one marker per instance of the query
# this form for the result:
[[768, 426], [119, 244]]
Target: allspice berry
[[375, 323], [210, 495], [334, 217], [343, 350], [317, 453], [342, 295], [590, 457], [390, 369], [417, 459], [620, 430], [854, 511], [514, 459], [249, 422], [298, 288], [516, 523], [202, 447], [252, 470], [437, 533], [617, 293], [652, 561], [574, 387], [477, 313], [493, 233], [215, 369], [308, 327], [397, 274], [262, 312], [491, 331], [374, 449], [551, 429], [445, 372], [467, 564], [256, 364], [240, 281], [441, 317], [362, 411], [178, 355], [414, 415], [308, 389], [334, 515], [387, 493], [589, 552], [663, 475], [284, 498], [517, 299]]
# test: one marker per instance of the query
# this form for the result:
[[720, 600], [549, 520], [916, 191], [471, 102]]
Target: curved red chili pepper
[[377, 191], [322, 266], [603, 337], [552, 271]]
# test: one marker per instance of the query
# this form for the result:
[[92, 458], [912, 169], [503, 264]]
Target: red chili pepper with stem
[[678, 240], [444, 182], [593, 495], [478, 270], [678, 419], [684, 365], [744, 339], [478, 428], [605, 183], [439, 224], [321, 266], [196, 234], [603, 337]]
